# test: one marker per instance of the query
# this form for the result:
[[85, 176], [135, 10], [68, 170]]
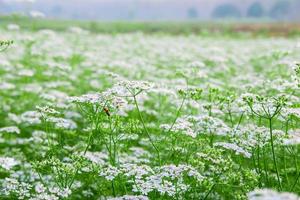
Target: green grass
[[221, 29]]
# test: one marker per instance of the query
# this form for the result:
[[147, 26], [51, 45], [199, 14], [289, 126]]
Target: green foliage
[[5, 44], [212, 29]]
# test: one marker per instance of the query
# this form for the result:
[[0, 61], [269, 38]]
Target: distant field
[[187, 27]]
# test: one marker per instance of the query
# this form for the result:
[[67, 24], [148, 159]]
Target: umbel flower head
[[263, 106], [135, 87]]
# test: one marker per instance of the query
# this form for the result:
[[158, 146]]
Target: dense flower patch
[[134, 116]]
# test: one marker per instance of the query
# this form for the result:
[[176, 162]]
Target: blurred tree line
[[279, 10]]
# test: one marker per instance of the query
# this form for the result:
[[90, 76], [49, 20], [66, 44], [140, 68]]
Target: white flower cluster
[[263, 106], [293, 138], [96, 157], [292, 111], [13, 186], [167, 180], [47, 110], [134, 87], [7, 86], [182, 125], [231, 146], [130, 197], [202, 124], [250, 136], [13, 27], [10, 129], [62, 123], [92, 98], [138, 155], [268, 194], [107, 98], [23, 190], [8, 163], [28, 117], [55, 193], [110, 173]]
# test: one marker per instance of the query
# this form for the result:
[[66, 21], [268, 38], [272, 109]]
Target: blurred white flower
[[268, 194], [36, 14], [8, 163], [10, 129]]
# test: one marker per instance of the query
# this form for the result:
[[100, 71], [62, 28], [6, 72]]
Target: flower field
[[138, 116]]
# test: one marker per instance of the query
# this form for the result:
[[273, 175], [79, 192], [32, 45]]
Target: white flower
[[26, 72], [181, 125], [39, 188], [110, 173], [62, 122], [10, 129], [47, 110], [133, 87], [267, 194], [231, 146], [64, 192], [31, 117], [96, 157], [194, 125], [130, 197], [8, 163], [13, 27], [293, 111], [92, 98], [37, 14], [293, 138], [7, 86]]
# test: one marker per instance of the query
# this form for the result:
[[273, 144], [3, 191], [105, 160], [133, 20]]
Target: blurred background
[[278, 10], [271, 17]]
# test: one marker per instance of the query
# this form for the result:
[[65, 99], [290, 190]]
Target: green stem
[[273, 153], [85, 150], [113, 188], [266, 167], [145, 128], [177, 113], [294, 185], [258, 164], [285, 169]]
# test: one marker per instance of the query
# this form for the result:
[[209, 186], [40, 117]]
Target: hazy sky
[[139, 9]]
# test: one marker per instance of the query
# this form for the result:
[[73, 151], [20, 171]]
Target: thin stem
[[85, 150], [113, 188], [285, 168], [177, 114], [294, 185], [145, 128], [258, 164], [230, 117], [265, 166], [273, 153], [240, 120], [209, 191]]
